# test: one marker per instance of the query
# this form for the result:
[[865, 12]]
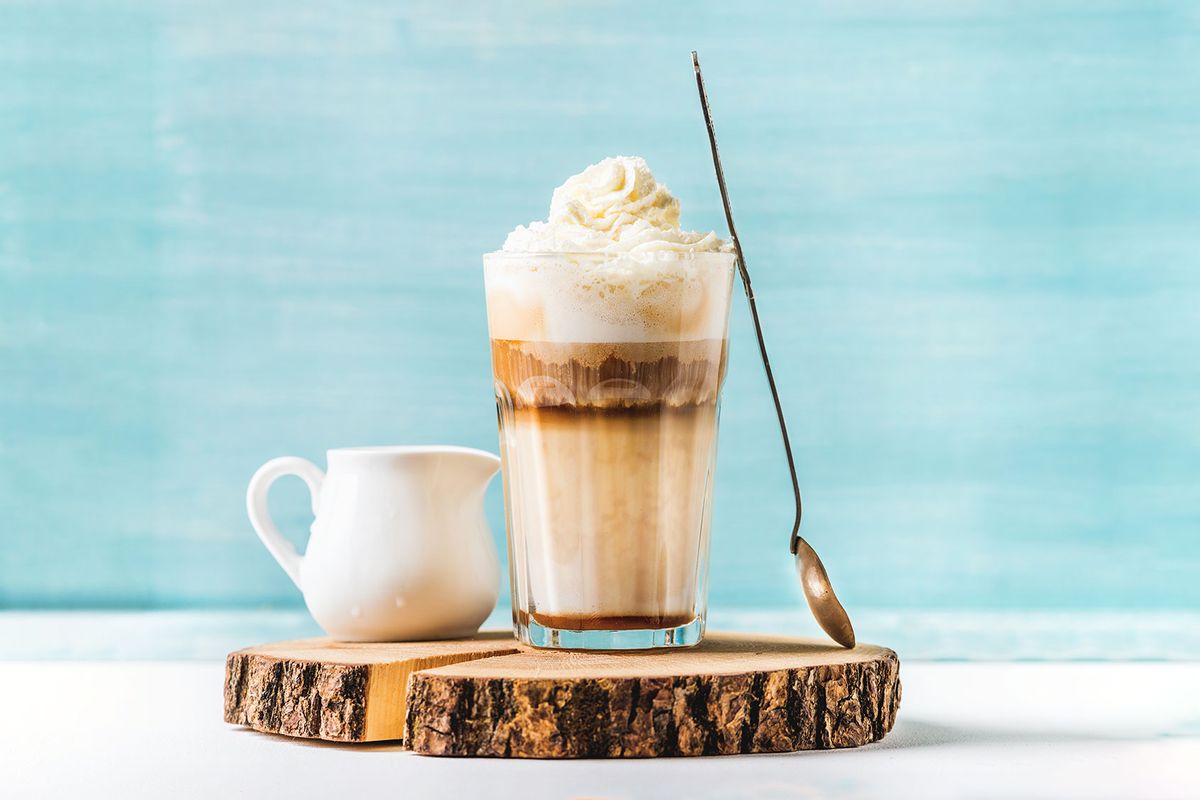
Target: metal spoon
[[822, 600]]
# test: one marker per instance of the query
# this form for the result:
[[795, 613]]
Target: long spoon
[[822, 600]]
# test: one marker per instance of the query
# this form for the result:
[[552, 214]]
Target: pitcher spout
[[476, 468]]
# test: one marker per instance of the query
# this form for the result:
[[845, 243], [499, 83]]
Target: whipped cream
[[616, 206], [611, 264]]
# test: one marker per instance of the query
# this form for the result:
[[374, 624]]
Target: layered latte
[[608, 351]]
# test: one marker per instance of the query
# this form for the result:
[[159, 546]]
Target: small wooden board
[[490, 696], [340, 691]]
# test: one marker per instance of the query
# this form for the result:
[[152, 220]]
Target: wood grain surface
[[339, 691], [734, 693]]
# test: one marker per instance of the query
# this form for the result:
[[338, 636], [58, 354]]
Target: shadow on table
[[915, 733], [908, 733], [366, 747]]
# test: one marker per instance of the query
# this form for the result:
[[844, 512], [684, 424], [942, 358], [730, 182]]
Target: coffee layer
[[608, 452], [608, 375]]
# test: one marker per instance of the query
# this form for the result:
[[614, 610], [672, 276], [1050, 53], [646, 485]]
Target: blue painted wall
[[233, 230]]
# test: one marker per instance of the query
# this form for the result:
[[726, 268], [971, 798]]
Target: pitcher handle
[[260, 514]]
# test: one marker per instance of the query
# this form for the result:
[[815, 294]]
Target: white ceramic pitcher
[[400, 548]]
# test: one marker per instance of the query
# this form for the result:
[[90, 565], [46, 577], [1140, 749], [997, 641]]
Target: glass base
[[537, 635]]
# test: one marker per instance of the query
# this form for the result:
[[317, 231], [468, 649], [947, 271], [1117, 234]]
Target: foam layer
[[551, 297]]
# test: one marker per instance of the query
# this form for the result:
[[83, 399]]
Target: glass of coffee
[[608, 369]]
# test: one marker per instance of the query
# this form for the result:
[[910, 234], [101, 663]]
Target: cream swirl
[[614, 206]]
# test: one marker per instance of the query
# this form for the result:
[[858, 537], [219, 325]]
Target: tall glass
[[608, 371]]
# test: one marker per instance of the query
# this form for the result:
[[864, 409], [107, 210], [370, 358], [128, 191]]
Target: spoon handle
[[794, 542]]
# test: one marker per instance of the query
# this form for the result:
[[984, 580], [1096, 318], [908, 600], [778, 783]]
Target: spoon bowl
[[826, 609]]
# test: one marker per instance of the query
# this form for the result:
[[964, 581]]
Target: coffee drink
[[608, 367], [609, 448]]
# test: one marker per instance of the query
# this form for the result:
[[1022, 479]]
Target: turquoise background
[[230, 231]]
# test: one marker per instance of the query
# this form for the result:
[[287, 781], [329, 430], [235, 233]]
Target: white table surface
[[967, 730]]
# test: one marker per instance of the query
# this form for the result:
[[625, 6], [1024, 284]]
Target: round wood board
[[731, 694], [734, 693]]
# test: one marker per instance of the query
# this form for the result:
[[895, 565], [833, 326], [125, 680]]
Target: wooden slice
[[490, 696], [731, 694], [341, 691]]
